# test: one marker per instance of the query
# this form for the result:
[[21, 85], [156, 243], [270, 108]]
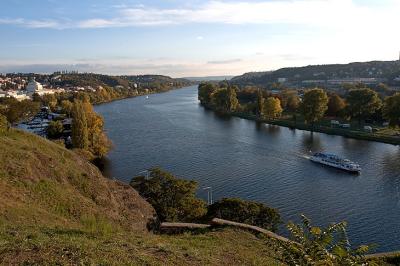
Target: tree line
[[358, 103]]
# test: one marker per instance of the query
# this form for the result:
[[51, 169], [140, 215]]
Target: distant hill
[[210, 78], [95, 80], [385, 71]]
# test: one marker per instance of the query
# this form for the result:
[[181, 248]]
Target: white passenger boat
[[335, 161]]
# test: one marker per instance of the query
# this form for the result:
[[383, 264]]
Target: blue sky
[[194, 38]]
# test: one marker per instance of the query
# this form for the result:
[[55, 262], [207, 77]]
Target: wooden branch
[[217, 221], [166, 226]]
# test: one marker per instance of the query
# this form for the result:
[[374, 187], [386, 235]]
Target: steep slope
[[43, 183]]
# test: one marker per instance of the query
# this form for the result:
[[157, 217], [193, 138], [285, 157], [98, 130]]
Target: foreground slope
[[55, 207]]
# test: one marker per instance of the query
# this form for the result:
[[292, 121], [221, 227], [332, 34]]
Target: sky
[[192, 37]]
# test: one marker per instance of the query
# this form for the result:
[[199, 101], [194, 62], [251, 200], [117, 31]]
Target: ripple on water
[[240, 158]]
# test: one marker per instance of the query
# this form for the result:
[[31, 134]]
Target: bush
[[55, 129], [172, 198], [248, 212], [313, 245]]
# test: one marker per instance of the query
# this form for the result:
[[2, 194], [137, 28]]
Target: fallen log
[[217, 221], [167, 226]]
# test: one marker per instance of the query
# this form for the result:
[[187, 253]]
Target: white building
[[35, 87]]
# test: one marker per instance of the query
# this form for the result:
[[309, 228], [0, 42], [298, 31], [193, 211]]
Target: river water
[[240, 158]]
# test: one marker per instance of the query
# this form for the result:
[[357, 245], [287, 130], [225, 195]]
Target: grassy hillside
[[55, 207]]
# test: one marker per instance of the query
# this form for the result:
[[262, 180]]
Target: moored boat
[[336, 162]]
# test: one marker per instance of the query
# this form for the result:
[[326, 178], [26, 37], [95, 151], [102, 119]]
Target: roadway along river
[[239, 158]]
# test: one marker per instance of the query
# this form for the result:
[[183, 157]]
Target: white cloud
[[326, 13]]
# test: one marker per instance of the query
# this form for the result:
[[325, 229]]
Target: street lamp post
[[146, 173], [209, 195]]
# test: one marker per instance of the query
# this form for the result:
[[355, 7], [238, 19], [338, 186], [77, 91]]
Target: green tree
[[289, 100], [362, 103], [16, 111], [248, 212], [313, 245], [391, 110], [225, 100], [260, 104], [173, 198], [272, 108], [55, 129], [80, 134], [205, 92], [314, 106], [336, 105]]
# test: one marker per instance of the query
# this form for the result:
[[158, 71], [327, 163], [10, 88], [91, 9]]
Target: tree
[[248, 212], [67, 107], [313, 245], [49, 100], [289, 100], [336, 105], [293, 103], [362, 103], [16, 111], [225, 100], [98, 141], [260, 104], [173, 198], [55, 129], [232, 101], [272, 107], [80, 135], [391, 110], [205, 92], [314, 106]]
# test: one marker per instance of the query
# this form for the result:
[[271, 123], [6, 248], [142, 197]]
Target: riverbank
[[348, 133], [137, 95]]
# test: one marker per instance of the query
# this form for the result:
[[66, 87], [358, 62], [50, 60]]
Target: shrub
[[55, 129], [248, 212], [321, 246]]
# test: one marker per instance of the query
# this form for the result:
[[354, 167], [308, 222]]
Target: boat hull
[[349, 170]]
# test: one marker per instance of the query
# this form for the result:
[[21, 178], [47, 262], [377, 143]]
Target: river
[[240, 158]]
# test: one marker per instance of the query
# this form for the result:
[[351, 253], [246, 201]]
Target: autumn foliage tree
[[314, 105], [336, 105], [87, 129], [260, 104], [272, 108], [80, 134]]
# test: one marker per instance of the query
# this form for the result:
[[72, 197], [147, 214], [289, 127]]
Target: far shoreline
[[359, 135]]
